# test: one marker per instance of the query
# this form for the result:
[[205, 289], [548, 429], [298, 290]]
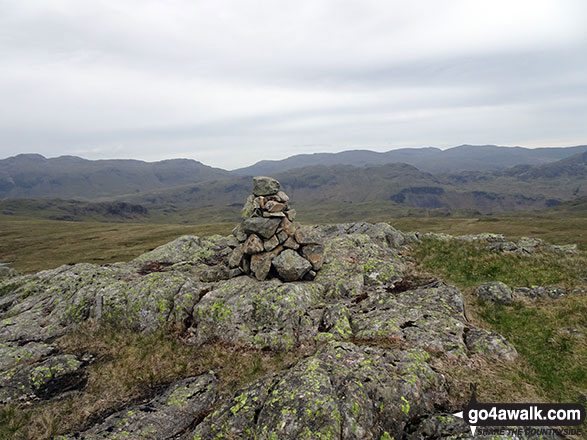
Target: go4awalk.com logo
[[478, 414]]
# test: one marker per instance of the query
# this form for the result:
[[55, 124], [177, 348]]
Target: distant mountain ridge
[[432, 160], [393, 185], [322, 176], [34, 176]]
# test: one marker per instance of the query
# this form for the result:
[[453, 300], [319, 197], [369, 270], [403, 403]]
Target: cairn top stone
[[265, 186]]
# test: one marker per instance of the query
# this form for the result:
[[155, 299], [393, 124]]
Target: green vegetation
[[540, 332], [555, 230], [129, 366], [548, 334], [470, 264]]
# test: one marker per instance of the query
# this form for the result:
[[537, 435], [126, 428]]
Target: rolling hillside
[[433, 160], [34, 176]]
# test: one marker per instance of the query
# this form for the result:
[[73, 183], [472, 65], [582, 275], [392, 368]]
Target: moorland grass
[[549, 334], [31, 245]]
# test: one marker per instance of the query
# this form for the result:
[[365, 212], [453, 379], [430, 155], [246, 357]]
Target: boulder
[[489, 344], [496, 291], [291, 266]]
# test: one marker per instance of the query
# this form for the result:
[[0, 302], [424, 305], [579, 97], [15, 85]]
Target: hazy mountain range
[[482, 179]]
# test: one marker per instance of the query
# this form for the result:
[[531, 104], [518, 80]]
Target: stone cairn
[[269, 242]]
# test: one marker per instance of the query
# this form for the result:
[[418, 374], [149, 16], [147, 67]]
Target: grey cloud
[[232, 82]]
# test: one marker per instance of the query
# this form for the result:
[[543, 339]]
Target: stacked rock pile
[[269, 242]]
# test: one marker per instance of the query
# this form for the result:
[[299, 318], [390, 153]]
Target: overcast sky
[[233, 82]]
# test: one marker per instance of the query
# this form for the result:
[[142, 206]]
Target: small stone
[[288, 227], [249, 207], [265, 227], [271, 244], [261, 263], [490, 344], [314, 253], [232, 241], [496, 291], [239, 233], [282, 197], [282, 236], [291, 214], [237, 271], [273, 206], [236, 256], [290, 266], [273, 214], [310, 275], [291, 243], [246, 265], [253, 245], [265, 186], [307, 235]]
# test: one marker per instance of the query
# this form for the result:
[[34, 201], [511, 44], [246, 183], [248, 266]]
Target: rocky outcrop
[[498, 243], [501, 293], [343, 391], [370, 335], [269, 242]]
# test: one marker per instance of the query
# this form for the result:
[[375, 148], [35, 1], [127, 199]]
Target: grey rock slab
[[166, 416], [265, 186], [291, 266], [382, 233], [356, 261], [51, 303], [429, 317], [308, 235], [187, 249], [267, 314], [344, 391], [42, 380], [13, 355]]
